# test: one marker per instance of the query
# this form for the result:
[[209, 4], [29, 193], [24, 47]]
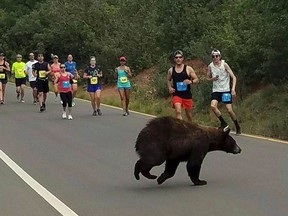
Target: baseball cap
[[55, 56], [178, 52], [216, 52], [122, 58]]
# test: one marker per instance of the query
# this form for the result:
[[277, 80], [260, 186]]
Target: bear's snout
[[237, 150]]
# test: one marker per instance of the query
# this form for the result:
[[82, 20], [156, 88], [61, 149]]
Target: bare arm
[[34, 72], [193, 77], [100, 74], [86, 76], [116, 73], [209, 75], [49, 70], [234, 79], [169, 78], [128, 71], [7, 66]]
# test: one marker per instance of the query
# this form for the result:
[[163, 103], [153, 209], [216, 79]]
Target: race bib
[[74, 81], [181, 86], [2, 76], [65, 84], [123, 79], [94, 80], [42, 74], [226, 97]]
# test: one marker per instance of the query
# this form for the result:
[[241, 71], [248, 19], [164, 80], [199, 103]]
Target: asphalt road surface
[[51, 166]]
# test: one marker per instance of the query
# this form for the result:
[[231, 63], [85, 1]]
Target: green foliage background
[[251, 34]]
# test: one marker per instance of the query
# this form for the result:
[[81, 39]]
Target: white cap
[[215, 52]]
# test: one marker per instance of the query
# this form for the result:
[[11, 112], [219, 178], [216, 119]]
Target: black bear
[[173, 140]]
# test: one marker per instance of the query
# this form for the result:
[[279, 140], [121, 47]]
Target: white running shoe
[[70, 117], [64, 115]]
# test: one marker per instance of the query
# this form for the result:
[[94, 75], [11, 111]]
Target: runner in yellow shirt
[[20, 76]]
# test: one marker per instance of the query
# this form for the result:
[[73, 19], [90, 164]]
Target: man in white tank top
[[219, 73]]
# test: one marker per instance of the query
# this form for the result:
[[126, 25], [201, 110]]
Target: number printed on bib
[[42, 74], [2, 76], [65, 84], [226, 97], [123, 79], [181, 86], [94, 80]]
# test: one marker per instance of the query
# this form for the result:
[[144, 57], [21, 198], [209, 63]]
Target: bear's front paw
[[162, 178], [199, 182]]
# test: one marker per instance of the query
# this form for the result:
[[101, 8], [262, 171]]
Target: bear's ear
[[226, 130]]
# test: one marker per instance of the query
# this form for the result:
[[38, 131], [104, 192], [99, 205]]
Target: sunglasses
[[178, 57], [62, 67], [215, 56]]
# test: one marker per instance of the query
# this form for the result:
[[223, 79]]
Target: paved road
[[87, 163]]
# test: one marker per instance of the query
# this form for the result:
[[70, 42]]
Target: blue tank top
[[70, 67], [122, 81]]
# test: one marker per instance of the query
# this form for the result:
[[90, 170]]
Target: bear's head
[[229, 144]]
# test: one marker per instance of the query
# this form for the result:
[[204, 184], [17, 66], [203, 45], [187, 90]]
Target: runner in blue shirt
[[72, 68]]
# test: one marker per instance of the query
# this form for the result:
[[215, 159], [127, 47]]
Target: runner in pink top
[[55, 70], [64, 86]]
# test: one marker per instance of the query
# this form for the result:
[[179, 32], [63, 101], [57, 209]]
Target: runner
[[93, 73], [18, 68], [71, 68], [182, 76], [55, 69], [219, 73], [122, 73], [63, 80], [31, 77], [41, 70], [4, 68]]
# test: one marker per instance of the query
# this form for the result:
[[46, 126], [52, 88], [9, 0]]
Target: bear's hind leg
[[144, 168], [170, 169], [137, 169]]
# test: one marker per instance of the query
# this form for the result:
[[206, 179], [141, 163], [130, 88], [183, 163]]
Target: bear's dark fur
[[173, 140]]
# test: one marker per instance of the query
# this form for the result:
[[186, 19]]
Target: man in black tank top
[[41, 70], [182, 76]]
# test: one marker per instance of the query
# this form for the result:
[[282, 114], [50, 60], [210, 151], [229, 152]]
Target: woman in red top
[[63, 80], [55, 70]]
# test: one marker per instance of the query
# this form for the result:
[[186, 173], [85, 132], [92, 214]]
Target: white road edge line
[[43, 192]]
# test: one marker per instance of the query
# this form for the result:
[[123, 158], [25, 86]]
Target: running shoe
[[34, 102], [125, 114], [128, 113], [99, 112], [44, 106], [70, 117], [2, 102], [41, 109], [73, 103], [22, 100], [64, 116], [94, 113]]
